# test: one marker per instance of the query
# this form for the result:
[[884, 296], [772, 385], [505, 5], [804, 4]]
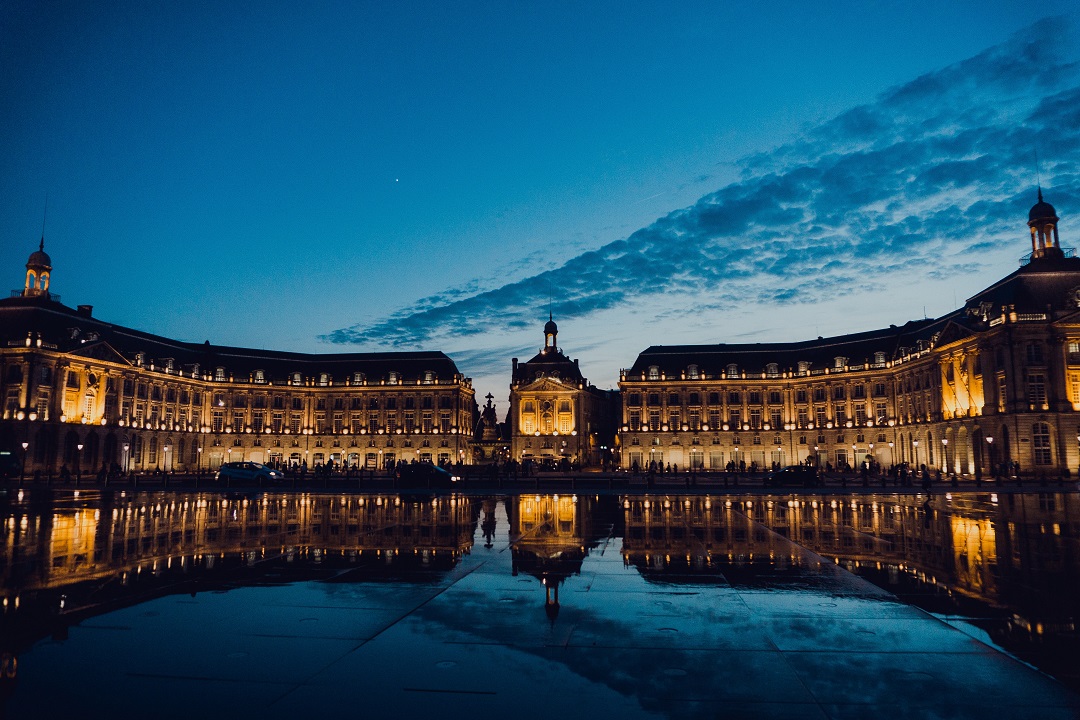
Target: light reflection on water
[[1006, 565]]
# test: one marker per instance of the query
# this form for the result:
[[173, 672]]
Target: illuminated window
[[772, 370], [692, 372], [654, 372], [260, 376], [732, 371], [324, 379], [219, 374]]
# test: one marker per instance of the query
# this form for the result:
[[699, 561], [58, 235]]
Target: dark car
[[248, 471], [425, 475], [793, 476]]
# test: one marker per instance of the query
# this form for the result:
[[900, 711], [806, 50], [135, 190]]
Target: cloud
[[931, 174]]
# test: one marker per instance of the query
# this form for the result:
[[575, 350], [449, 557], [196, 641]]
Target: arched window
[[732, 371], [654, 372], [839, 362], [772, 370], [879, 358], [692, 372]]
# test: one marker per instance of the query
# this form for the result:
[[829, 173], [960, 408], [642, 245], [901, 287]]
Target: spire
[[44, 214]]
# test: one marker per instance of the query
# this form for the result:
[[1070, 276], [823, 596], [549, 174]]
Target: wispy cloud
[[929, 175]]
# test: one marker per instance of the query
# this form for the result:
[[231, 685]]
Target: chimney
[[85, 310]]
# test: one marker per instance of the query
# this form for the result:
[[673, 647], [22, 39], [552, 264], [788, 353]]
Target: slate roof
[[75, 332]]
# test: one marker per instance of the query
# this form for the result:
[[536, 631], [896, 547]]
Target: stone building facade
[[81, 393], [992, 387], [555, 414]]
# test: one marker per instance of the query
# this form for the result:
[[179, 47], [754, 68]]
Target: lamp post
[[78, 463], [126, 448], [22, 472], [166, 449], [945, 454], [915, 445]]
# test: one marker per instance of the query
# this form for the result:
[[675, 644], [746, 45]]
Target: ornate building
[[987, 388], [83, 393], [555, 414]]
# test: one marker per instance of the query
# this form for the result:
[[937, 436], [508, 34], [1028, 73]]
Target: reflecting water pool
[[661, 605]]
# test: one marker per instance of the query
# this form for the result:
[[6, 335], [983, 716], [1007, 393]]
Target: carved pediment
[[102, 351], [547, 384]]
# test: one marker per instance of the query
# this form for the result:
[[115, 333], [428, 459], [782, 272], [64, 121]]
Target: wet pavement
[[199, 604]]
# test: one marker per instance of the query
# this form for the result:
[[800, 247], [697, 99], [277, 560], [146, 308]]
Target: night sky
[[327, 177]]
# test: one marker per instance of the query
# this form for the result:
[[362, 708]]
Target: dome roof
[[40, 258], [1042, 210], [550, 328]]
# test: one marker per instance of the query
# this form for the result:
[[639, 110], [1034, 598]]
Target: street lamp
[[198, 461], [945, 453], [167, 448], [78, 463], [990, 453], [915, 444], [126, 447], [22, 472]]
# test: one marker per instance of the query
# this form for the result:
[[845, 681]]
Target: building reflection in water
[[1011, 560], [66, 561]]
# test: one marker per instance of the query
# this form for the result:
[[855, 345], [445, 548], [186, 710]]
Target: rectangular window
[[635, 420], [258, 419], [755, 418], [776, 419], [391, 422], [217, 421], [1040, 443], [735, 419], [444, 422], [714, 419], [295, 423], [1036, 391], [880, 413], [803, 418], [238, 422], [410, 422], [1003, 395], [800, 396], [278, 422], [860, 414]]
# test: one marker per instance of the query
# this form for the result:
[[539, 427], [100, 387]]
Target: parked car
[[793, 475], [426, 475], [248, 471]]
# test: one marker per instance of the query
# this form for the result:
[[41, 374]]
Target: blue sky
[[340, 176]]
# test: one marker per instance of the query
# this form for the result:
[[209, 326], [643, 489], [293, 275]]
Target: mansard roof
[[754, 358], [1043, 285], [548, 362], [75, 331]]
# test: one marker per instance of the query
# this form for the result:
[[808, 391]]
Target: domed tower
[[38, 272], [1043, 219], [551, 330]]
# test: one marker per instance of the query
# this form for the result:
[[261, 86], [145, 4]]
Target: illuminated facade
[[983, 390], [82, 394], [555, 414]]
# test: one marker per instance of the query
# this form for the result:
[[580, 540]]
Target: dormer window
[[692, 372], [732, 371], [168, 365], [654, 372], [358, 378], [394, 377], [219, 374], [839, 362], [772, 370], [804, 367], [195, 370], [296, 379], [324, 379], [140, 359], [429, 377], [260, 376], [879, 358]]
